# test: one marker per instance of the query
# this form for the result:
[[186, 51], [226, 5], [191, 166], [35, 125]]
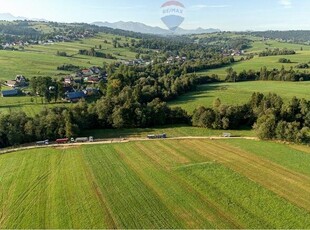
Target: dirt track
[[113, 141]]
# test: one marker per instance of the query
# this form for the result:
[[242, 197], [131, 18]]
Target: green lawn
[[157, 184], [240, 93]]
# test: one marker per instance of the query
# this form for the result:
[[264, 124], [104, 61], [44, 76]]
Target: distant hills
[[10, 17], [142, 28], [129, 26]]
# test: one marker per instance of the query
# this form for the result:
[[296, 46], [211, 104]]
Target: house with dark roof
[[10, 93], [75, 96]]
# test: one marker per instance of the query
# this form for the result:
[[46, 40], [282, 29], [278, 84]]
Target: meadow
[[239, 93], [31, 106], [171, 131], [271, 62], [41, 60], [156, 184]]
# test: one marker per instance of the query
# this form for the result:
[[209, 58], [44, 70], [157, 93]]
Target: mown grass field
[[41, 60], [156, 184], [240, 93]]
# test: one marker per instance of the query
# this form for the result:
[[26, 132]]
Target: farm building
[[89, 91], [11, 83], [10, 93], [20, 81], [87, 72], [75, 96], [68, 80]]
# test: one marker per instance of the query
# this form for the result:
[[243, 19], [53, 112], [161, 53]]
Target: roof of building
[[11, 82], [12, 92], [75, 95]]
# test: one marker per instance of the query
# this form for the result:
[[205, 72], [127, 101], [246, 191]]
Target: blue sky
[[223, 14]]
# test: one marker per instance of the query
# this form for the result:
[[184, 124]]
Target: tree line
[[94, 53], [265, 74], [17, 128], [276, 52], [268, 115]]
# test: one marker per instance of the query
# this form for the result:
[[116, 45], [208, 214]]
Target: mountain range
[[130, 26], [10, 17], [142, 28]]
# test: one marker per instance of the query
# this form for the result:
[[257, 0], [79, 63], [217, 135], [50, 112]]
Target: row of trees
[[18, 128], [69, 67], [267, 114], [276, 52], [93, 53], [267, 75]]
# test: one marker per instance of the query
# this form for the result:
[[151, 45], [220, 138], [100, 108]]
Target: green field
[[171, 131], [30, 105], [270, 62], [240, 93], [157, 184], [41, 60]]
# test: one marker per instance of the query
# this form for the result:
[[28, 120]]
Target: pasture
[[156, 184], [239, 93], [41, 60], [271, 62], [29, 105]]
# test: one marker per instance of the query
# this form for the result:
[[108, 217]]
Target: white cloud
[[286, 3]]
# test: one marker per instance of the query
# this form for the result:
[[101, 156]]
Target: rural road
[[119, 140]]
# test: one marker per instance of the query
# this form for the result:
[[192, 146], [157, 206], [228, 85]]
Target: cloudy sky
[[223, 14]]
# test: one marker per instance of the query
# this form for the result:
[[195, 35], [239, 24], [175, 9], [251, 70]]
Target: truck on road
[[157, 136], [82, 139], [46, 142], [62, 141]]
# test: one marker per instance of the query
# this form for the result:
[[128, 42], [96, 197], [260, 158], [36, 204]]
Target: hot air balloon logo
[[172, 14]]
